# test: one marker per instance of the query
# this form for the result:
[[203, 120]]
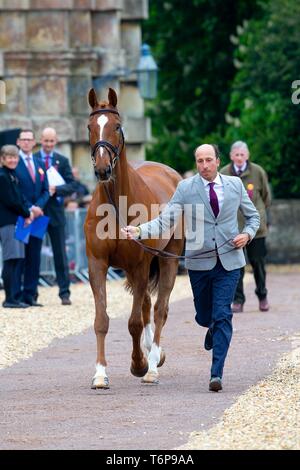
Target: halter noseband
[[111, 149]]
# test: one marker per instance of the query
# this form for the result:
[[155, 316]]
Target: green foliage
[[223, 78], [191, 42], [261, 109]]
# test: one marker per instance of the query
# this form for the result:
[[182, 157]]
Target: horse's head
[[106, 137]]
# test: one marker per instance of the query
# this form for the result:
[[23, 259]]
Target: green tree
[[191, 42], [261, 110]]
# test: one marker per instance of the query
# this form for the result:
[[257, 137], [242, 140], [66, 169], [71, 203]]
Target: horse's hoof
[[139, 372], [162, 358], [100, 382], [150, 378]]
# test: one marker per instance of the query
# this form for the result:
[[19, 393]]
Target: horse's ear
[[93, 100], [112, 97]]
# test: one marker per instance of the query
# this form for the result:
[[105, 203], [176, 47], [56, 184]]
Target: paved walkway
[[47, 403]]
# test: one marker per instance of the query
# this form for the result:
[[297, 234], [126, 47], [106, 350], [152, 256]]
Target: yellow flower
[[250, 186], [41, 171]]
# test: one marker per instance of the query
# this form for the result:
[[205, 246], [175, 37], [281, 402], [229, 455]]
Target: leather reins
[[117, 152]]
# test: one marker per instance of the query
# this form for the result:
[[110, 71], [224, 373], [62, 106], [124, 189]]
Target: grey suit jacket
[[203, 230]]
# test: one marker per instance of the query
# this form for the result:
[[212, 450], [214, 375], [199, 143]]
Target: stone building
[[53, 51]]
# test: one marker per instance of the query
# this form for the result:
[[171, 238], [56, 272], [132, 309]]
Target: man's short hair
[[9, 150], [25, 130], [217, 151], [238, 144], [215, 147]]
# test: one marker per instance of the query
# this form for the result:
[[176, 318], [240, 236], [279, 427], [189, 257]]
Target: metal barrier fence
[[75, 248]]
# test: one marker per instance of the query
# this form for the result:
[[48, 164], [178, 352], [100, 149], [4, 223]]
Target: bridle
[[113, 151]]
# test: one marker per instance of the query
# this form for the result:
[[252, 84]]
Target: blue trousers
[[213, 292], [30, 269], [57, 237]]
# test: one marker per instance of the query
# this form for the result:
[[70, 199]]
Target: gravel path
[[266, 417], [47, 402], [23, 332]]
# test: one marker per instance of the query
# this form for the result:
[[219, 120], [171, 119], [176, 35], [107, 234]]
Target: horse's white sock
[[154, 357], [148, 337], [100, 371]]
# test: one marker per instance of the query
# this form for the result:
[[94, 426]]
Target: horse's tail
[[154, 275]]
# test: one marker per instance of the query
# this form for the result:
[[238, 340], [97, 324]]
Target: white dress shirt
[[218, 187], [242, 168]]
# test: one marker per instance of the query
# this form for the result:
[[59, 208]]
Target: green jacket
[[255, 181]]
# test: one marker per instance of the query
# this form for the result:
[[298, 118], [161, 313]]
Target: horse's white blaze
[[102, 120], [148, 337], [154, 357], [100, 371]]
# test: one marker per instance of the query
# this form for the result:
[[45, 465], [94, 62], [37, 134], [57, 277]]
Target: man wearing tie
[[33, 183], [255, 181], [55, 209], [215, 274]]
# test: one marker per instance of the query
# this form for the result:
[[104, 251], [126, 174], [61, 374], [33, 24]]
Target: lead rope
[[163, 253]]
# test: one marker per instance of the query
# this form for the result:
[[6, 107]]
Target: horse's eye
[[118, 127]]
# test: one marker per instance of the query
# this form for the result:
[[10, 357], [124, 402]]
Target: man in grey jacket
[[214, 269]]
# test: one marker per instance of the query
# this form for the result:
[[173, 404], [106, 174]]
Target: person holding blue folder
[[37, 228], [12, 205], [31, 173]]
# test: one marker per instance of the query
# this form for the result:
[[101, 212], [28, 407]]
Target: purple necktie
[[47, 161], [213, 199]]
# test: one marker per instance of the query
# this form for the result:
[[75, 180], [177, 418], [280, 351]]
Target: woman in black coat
[[12, 205]]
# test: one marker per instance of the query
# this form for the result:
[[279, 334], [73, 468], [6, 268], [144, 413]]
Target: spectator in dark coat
[[55, 208], [81, 189], [12, 205], [31, 174]]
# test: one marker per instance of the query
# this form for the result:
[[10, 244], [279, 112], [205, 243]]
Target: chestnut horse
[[146, 183]]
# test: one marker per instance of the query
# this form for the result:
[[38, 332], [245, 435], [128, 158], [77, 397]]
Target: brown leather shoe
[[264, 305], [237, 308], [215, 384], [66, 301]]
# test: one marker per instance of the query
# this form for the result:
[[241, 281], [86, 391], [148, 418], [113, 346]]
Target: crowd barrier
[[283, 245], [75, 248]]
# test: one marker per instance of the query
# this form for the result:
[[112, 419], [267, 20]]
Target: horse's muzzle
[[104, 175]]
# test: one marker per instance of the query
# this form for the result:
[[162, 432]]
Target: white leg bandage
[[100, 371], [148, 337], [154, 357]]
